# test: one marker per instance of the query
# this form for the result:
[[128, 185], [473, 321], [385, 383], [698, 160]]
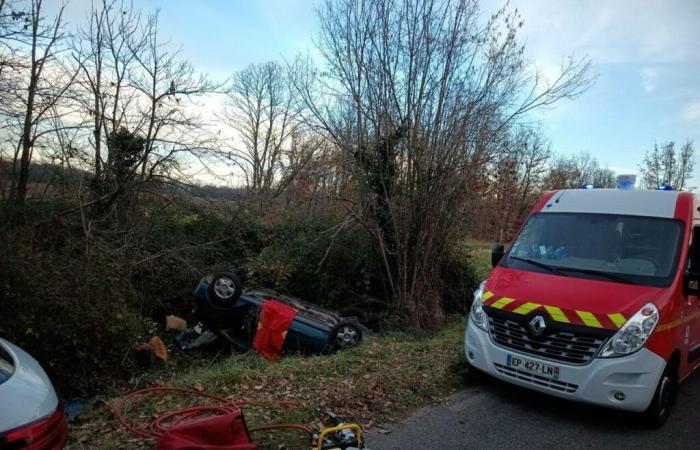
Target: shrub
[[460, 278], [67, 305], [79, 305], [314, 258]]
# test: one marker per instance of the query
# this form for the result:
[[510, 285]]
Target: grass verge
[[378, 381]]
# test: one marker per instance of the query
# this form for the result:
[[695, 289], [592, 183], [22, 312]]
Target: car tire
[[664, 398], [224, 290], [346, 334]]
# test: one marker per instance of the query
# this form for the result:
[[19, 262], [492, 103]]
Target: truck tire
[[664, 398], [346, 334], [224, 290]]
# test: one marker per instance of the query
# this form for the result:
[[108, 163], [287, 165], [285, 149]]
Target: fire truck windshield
[[619, 248]]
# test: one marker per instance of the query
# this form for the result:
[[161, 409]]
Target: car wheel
[[664, 398], [224, 290], [346, 334]]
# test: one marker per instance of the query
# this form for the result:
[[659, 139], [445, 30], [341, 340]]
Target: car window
[[694, 256], [7, 366]]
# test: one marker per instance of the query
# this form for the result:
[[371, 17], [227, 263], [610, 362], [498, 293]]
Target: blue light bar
[[626, 182], [665, 187], [586, 186]]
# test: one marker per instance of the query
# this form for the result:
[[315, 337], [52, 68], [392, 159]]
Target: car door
[[692, 305]]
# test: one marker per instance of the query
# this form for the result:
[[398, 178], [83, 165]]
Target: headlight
[[633, 334], [477, 314]]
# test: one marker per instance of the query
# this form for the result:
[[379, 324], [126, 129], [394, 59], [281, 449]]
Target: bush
[[460, 278], [78, 305], [68, 306], [318, 260]]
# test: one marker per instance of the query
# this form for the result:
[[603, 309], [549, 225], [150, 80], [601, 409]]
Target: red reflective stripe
[[539, 206]]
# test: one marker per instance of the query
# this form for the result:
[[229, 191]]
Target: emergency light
[[664, 187], [626, 182], [587, 186]]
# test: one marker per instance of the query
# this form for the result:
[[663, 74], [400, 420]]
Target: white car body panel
[[28, 394], [633, 202]]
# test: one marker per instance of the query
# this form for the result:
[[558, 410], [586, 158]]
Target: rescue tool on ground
[[219, 424], [596, 300]]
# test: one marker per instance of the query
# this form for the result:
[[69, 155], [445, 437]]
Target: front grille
[[573, 345], [536, 379]]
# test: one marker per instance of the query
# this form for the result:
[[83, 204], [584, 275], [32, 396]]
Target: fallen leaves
[[378, 381], [156, 346]]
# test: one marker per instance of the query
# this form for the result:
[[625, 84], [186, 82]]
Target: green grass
[[380, 380], [480, 252]]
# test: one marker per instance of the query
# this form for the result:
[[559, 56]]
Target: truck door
[[692, 305]]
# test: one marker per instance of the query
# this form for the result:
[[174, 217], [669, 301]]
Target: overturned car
[[224, 310]]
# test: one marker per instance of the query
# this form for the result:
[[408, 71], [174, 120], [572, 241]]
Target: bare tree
[[102, 52], [264, 112], [45, 82], [668, 165], [576, 170], [164, 112], [518, 176], [422, 94], [604, 178], [136, 93]]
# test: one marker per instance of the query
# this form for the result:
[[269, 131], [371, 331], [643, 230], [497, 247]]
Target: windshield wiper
[[598, 273], [541, 265]]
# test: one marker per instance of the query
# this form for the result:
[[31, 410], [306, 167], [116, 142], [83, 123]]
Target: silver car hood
[[28, 394]]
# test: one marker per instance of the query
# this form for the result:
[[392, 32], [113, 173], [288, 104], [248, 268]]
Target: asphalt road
[[493, 414]]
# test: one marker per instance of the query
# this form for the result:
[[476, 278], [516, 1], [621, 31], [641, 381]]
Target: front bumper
[[636, 375]]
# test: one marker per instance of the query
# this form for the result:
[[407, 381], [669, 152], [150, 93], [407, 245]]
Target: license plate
[[537, 368]]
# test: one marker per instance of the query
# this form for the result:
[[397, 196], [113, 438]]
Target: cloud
[[623, 31], [649, 78], [691, 113]]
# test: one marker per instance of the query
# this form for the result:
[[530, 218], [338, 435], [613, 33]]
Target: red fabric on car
[[274, 322], [223, 432]]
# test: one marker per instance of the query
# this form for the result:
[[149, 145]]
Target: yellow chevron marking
[[589, 319], [526, 308], [486, 295], [557, 314], [503, 301], [618, 319]]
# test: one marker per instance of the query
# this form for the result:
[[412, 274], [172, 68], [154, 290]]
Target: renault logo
[[537, 326]]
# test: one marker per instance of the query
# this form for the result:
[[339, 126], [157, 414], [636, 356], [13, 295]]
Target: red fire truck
[[596, 300]]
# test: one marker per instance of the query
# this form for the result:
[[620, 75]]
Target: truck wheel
[[664, 398], [224, 290], [346, 334]]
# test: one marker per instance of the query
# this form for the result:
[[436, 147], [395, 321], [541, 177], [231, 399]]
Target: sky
[[645, 55]]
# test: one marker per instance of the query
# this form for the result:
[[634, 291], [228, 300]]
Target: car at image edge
[[31, 416]]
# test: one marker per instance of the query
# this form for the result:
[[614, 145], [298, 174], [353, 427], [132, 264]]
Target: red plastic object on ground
[[275, 319], [223, 432]]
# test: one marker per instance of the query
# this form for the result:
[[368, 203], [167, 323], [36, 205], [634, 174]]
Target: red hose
[[158, 426]]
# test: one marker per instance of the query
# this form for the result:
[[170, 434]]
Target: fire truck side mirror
[[497, 252], [691, 283]]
